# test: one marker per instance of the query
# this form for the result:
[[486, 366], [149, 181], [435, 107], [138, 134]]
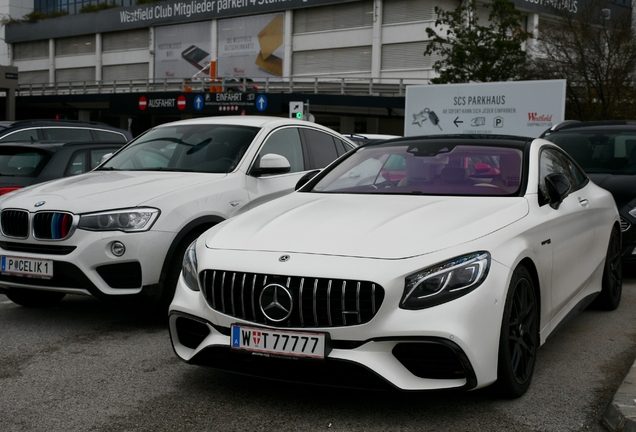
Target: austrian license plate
[[278, 342], [28, 267]]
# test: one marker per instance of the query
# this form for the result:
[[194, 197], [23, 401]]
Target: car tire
[[519, 337], [174, 269], [34, 298], [612, 283]]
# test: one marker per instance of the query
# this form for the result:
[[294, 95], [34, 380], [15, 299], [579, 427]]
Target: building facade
[[272, 42]]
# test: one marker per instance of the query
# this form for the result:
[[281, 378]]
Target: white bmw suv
[[123, 228]]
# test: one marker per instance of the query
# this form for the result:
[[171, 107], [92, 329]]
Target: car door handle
[[583, 202]]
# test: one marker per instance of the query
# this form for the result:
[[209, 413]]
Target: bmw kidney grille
[[45, 225], [52, 225], [15, 223]]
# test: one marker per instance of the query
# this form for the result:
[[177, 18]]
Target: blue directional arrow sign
[[198, 102], [261, 103]]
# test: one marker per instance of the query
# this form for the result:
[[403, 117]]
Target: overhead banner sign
[[523, 108], [251, 47], [614, 8], [175, 103], [151, 15], [181, 50]]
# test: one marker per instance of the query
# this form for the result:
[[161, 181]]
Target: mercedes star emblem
[[276, 302]]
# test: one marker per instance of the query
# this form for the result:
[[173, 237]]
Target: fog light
[[118, 249]]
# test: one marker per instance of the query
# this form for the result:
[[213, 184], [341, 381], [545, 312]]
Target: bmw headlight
[[446, 281], [127, 220], [189, 270]]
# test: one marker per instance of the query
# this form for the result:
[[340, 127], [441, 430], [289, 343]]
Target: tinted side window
[[67, 134], [23, 135], [285, 142], [341, 147], [579, 177], [77, 164], [321, 147], [553, 161], [96, 156], [103, 135], [84, 161]]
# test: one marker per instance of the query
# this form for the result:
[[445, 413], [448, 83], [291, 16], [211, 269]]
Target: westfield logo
[[539, 118]]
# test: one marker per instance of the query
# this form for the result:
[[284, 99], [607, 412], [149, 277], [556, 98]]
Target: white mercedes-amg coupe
[[423, 263]]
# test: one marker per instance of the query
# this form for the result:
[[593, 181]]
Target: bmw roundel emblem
[[284, 258], [40, 203]]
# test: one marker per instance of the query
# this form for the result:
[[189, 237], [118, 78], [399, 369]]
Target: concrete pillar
[[287, 41], [373, 125], [376, 42], [151, 50], [347, 125], [531, 27], [51, 61], [84, 115], [10, 104], [98, 57]]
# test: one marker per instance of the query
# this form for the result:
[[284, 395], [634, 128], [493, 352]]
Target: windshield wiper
[[162, 169]]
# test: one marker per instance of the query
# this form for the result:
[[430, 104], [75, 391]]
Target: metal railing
[[319, 85]]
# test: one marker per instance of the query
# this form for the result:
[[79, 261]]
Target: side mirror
[[558, 187], [304, 179], [271, 164]]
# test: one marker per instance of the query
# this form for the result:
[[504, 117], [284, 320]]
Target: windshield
[[189, 148], [428, 168], [600, 152]]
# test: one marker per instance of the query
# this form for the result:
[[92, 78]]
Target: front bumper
[[450, 346], [84, 263]]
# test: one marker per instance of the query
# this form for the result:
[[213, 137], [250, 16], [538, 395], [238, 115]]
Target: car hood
[[621, 186], [103, 190], [372, 226]]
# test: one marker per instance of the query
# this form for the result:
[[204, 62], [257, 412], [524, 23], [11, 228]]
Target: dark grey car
[[24, 164], [606, 150], [60, 130]]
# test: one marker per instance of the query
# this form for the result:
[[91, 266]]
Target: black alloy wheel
[[519, 337]]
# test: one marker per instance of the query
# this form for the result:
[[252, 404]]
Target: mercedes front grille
[[314, 302]]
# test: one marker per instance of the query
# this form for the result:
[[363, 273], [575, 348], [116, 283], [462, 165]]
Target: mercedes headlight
[[189, 270], [127, 220], [446, 281]]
